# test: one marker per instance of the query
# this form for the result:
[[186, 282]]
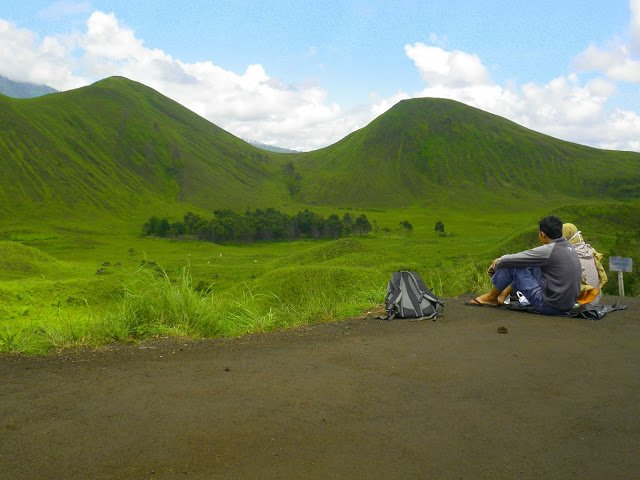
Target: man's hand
[[492, 267]]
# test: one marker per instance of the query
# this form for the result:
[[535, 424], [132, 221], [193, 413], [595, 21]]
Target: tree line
[[258, 225]]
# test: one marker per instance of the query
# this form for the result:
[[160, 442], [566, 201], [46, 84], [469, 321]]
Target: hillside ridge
[[423, 147], [118, 145]]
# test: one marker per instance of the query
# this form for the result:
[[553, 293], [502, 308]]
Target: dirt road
[[553, 398]]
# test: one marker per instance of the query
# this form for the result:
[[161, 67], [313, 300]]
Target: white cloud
[[24, 58], [616, 62], [622, 132], [250, 105], [620, 60], [254, 105], [564, 107], [439, 67], [107, 40]]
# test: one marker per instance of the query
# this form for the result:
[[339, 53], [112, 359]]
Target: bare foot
[[488, 299], [504, 294], [483, 302]]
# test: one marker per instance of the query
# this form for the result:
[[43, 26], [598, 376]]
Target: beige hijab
[[586, 253], [571, 233]]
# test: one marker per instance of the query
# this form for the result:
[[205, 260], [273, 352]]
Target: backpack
[[408, 297]]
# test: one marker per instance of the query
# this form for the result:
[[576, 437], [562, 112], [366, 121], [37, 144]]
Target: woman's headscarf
[[571, 233], [592, 271]]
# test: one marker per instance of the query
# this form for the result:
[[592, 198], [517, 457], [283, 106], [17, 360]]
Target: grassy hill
[[429, 148], [80, 172], [119, 146]]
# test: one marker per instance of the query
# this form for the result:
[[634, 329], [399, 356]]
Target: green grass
[[81, 171], [52, 297]]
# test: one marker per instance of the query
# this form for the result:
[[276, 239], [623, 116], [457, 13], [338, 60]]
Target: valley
[[81, 172]]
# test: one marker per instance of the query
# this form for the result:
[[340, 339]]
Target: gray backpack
[[408, 297]]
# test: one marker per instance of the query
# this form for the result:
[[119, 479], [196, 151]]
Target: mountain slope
[[425, 148], [118, 145]]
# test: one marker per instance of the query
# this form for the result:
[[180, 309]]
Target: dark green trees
[[259, 225]]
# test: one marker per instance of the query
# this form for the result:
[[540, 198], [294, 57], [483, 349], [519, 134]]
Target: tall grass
[[9, 340], [53, 334], [154, 305], [207, 290]]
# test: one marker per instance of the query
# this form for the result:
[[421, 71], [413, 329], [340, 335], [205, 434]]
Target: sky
[[303, 75]]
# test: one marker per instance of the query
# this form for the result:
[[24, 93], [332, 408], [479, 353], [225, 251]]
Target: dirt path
[[553, 398]]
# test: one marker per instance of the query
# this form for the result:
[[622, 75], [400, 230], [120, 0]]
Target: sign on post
[[620, 265]]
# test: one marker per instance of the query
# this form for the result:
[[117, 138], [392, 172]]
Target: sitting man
[[548, 276]]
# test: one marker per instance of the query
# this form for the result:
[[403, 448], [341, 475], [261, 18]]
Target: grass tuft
[[155, 305], [9, 341]]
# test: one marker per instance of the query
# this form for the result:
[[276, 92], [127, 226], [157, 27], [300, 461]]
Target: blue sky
[[305, 74]]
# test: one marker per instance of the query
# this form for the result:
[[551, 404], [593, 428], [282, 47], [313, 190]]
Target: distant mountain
[[430, 148], [270, 148], [119, 146], [23, 89]]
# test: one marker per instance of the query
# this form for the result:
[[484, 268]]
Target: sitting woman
[[592, 270]]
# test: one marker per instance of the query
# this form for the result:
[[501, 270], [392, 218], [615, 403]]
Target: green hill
[[81, 171], [119, 146], [423, 149], [18, 261]]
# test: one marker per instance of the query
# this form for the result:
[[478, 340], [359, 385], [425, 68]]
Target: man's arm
[[533, 257]]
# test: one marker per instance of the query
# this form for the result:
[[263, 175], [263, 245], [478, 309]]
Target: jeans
[[527, 280]]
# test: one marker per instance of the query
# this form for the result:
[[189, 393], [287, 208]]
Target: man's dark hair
[[551, 226]]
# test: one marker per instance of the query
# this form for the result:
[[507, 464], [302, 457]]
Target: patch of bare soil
[[481, 393]]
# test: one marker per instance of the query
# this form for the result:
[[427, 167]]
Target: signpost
[[620, 265]]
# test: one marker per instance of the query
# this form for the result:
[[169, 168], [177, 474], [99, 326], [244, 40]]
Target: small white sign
[[620, 264]]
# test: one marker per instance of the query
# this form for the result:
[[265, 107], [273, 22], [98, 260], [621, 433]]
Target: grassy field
[[81, 171], [73, 285]]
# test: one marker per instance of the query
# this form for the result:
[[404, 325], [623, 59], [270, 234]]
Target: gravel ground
[[552, 398]]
